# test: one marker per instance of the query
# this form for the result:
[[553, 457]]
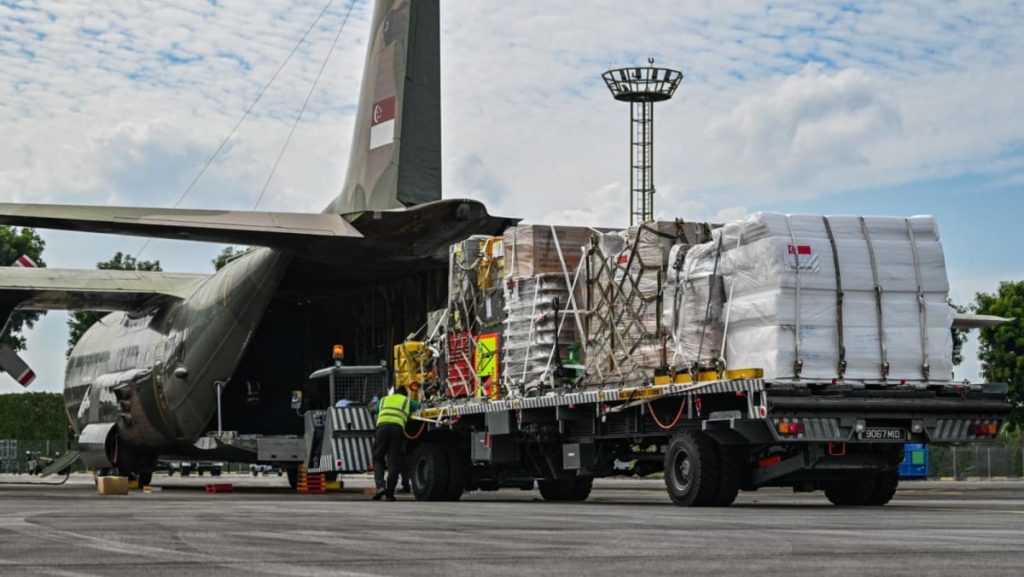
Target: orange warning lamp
[[338, 352]]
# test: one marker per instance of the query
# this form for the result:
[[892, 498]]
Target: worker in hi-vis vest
[[389, 443]]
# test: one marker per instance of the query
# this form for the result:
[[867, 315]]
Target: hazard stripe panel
[[348, 442]]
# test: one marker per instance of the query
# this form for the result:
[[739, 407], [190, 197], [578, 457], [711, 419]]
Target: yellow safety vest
[[393, 409]]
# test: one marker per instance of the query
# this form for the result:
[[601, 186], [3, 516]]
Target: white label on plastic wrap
[[802, 256], [620, 266]]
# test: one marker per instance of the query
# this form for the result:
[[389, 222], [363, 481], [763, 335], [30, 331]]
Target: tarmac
[[627, 527]]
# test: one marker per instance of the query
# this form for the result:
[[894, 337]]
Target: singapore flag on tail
[[382, 124]]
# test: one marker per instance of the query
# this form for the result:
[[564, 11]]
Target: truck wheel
[[566, 488], [885, 488], [429, 470], [458, 469], [855, 493], [691, 470], [730, 468], [293, 477]]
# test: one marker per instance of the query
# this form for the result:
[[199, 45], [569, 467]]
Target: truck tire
[[854, 493], [885, 488], [566, 488], [293, 477], [429, 471], [730, 469], [691, 470], [458, 470]]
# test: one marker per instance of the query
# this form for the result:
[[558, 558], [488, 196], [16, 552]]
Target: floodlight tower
[[641, 87]]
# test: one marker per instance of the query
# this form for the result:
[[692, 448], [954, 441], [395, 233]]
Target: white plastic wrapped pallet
[[694, 325], [782, 285]]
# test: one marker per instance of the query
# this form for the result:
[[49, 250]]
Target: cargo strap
[[841, 366], [922, 306], [570, 283], [882, 348], [529, 335], [695, 369], [677, 303], [724, 362], [560, 318], [798, 364]]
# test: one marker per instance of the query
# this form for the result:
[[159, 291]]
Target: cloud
[[122, 102], [799, 131], [472, 178]]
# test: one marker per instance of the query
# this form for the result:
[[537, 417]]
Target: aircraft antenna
[[309, 95], [641, 87], [245, 115]]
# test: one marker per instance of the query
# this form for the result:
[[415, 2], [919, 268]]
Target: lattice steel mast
[[641, 87]]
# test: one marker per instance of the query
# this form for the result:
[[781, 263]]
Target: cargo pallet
[[711, 437]]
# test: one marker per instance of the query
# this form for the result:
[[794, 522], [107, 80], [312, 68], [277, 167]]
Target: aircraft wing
[[100, 290], [272, 229], [972, 321]]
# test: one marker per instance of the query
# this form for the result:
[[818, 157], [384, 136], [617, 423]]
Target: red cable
[[423, 426], [674, 422]]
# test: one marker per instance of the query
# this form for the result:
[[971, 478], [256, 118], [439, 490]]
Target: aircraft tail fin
[[395, 160]]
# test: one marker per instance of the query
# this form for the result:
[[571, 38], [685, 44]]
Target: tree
[[1001, 349], [80, 321], [15, 242], [32, 416], [227, 255]]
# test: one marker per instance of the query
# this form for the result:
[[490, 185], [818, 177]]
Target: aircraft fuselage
[[154, 372]]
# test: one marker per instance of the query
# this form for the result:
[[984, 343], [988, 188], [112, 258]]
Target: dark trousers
[[389, 447]]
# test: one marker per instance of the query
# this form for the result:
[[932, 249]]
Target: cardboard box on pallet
[[532, 249], [541, 329], [624, 335]]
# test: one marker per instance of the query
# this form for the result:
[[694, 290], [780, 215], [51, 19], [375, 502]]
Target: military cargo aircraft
[[144, 382]]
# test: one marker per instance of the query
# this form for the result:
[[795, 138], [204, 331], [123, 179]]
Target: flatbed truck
[[711, 437]]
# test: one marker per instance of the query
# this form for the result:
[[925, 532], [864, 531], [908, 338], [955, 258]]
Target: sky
[[895, 108]]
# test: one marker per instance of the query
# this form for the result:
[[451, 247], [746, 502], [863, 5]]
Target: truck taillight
[[790, 428], [984, 429]]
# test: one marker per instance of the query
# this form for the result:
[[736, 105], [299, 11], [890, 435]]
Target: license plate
[[883, 434]]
